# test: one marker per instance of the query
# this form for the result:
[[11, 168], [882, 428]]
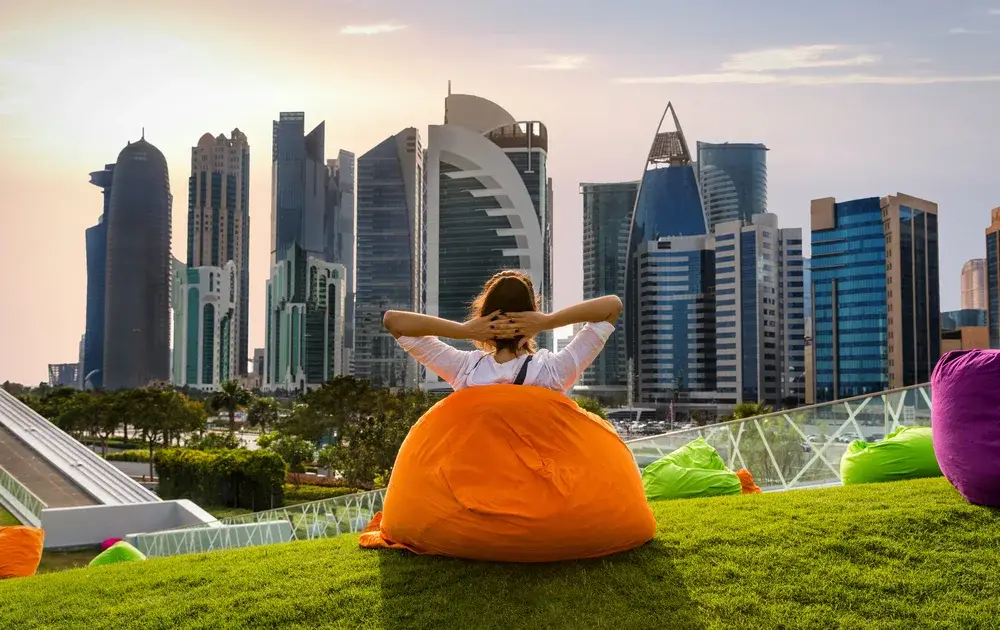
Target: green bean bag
[[694, 470], [906, 453], [119, 552]]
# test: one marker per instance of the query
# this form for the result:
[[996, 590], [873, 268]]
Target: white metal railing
[[17, 498], [320, 519], [802, 447], [98, 478]]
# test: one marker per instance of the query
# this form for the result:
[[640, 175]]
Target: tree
[[324, 413], [592, 405], [748, 410], [97, 413], [368, 448], [295, 451], [156, 411], [230, 398], [263, 413]]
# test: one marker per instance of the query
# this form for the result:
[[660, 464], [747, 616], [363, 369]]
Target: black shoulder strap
[[523, 374]]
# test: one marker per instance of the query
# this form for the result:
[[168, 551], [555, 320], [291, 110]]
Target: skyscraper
[[876, 294], [206, 301], [993, 278], [668, 205], [298, 187], [974, 284], [341, 239], [92, 366], [607, 216], [487, 204], [137, 311], [733, 181], [759, 317], [305, 322], [306, 294], [219, 232], [390, 268]]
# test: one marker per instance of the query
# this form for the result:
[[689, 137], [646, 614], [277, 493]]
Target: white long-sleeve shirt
[[552, 370]]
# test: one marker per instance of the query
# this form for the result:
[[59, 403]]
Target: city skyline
[[842, 88]]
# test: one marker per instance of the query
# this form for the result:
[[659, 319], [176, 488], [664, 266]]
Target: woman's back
[[552, 370]]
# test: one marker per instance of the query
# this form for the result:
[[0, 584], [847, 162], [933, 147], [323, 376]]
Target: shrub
[[253, 480], [215, 442], [141, 456], [308, 494], [315, 480]]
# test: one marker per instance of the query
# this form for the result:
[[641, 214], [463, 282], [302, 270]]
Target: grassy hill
[[905, 555]]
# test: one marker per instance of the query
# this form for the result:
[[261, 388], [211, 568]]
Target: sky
[[853, 99]]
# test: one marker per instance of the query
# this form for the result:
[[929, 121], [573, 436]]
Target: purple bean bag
[[965, 422]]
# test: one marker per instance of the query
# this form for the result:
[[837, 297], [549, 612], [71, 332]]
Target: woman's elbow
[[390, 320], [616, 308]]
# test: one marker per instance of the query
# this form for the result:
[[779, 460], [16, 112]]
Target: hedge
[[308, 494], [129, 456], [303, 479], [253, 480]]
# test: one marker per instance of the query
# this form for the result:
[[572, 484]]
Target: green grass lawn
[[7, 519], [907, 555]]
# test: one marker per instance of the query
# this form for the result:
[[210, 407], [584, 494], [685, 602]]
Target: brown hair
[[507, 291]]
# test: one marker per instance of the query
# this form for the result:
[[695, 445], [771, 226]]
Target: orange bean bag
[[20, 551], [512, 473]]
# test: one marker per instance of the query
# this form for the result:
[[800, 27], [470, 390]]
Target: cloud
[[772, 66], [371, 29], [757, 78], [958, 30], [561, 62], [795, 58], [994, 12]]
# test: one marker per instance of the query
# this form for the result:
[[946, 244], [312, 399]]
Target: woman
[[505, 319]]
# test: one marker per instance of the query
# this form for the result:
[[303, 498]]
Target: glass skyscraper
[[137, 307], [993, 278], [488, 207], [96, 237], [298, 184], [760, 323], [876, 294], [733, 180], [389, 255], [607, 216], [668, 205], [340, 240]]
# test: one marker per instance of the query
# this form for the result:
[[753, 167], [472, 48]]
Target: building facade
[[993, 278], [206, 303], [488, 207], [340, 241], [964, 329], [733, 181], [759, 313], [305, 322], [974, 284], [390, 255], [298, 187], [64, 375], [96, 237], [607, 216], [306, 294], [137, 298], [675, 309], [668, 205], [876, 294], [219, 226]]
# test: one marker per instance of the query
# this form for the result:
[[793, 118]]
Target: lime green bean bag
[[694, 470], [906, 453], [119, 552]]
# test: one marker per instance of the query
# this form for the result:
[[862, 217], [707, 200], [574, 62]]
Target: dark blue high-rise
[[92, 370], [668, 205]]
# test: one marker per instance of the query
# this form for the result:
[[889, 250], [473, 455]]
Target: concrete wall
[[91, 525]]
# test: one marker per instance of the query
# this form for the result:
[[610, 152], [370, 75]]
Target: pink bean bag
[[110, 542]]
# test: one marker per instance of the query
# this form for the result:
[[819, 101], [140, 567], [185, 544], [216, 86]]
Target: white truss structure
[[802, 447]]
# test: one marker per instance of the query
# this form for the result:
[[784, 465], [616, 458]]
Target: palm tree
[[263, 412], [231, 397]]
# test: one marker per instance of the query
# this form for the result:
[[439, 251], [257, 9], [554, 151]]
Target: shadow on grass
[[637, 589]]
